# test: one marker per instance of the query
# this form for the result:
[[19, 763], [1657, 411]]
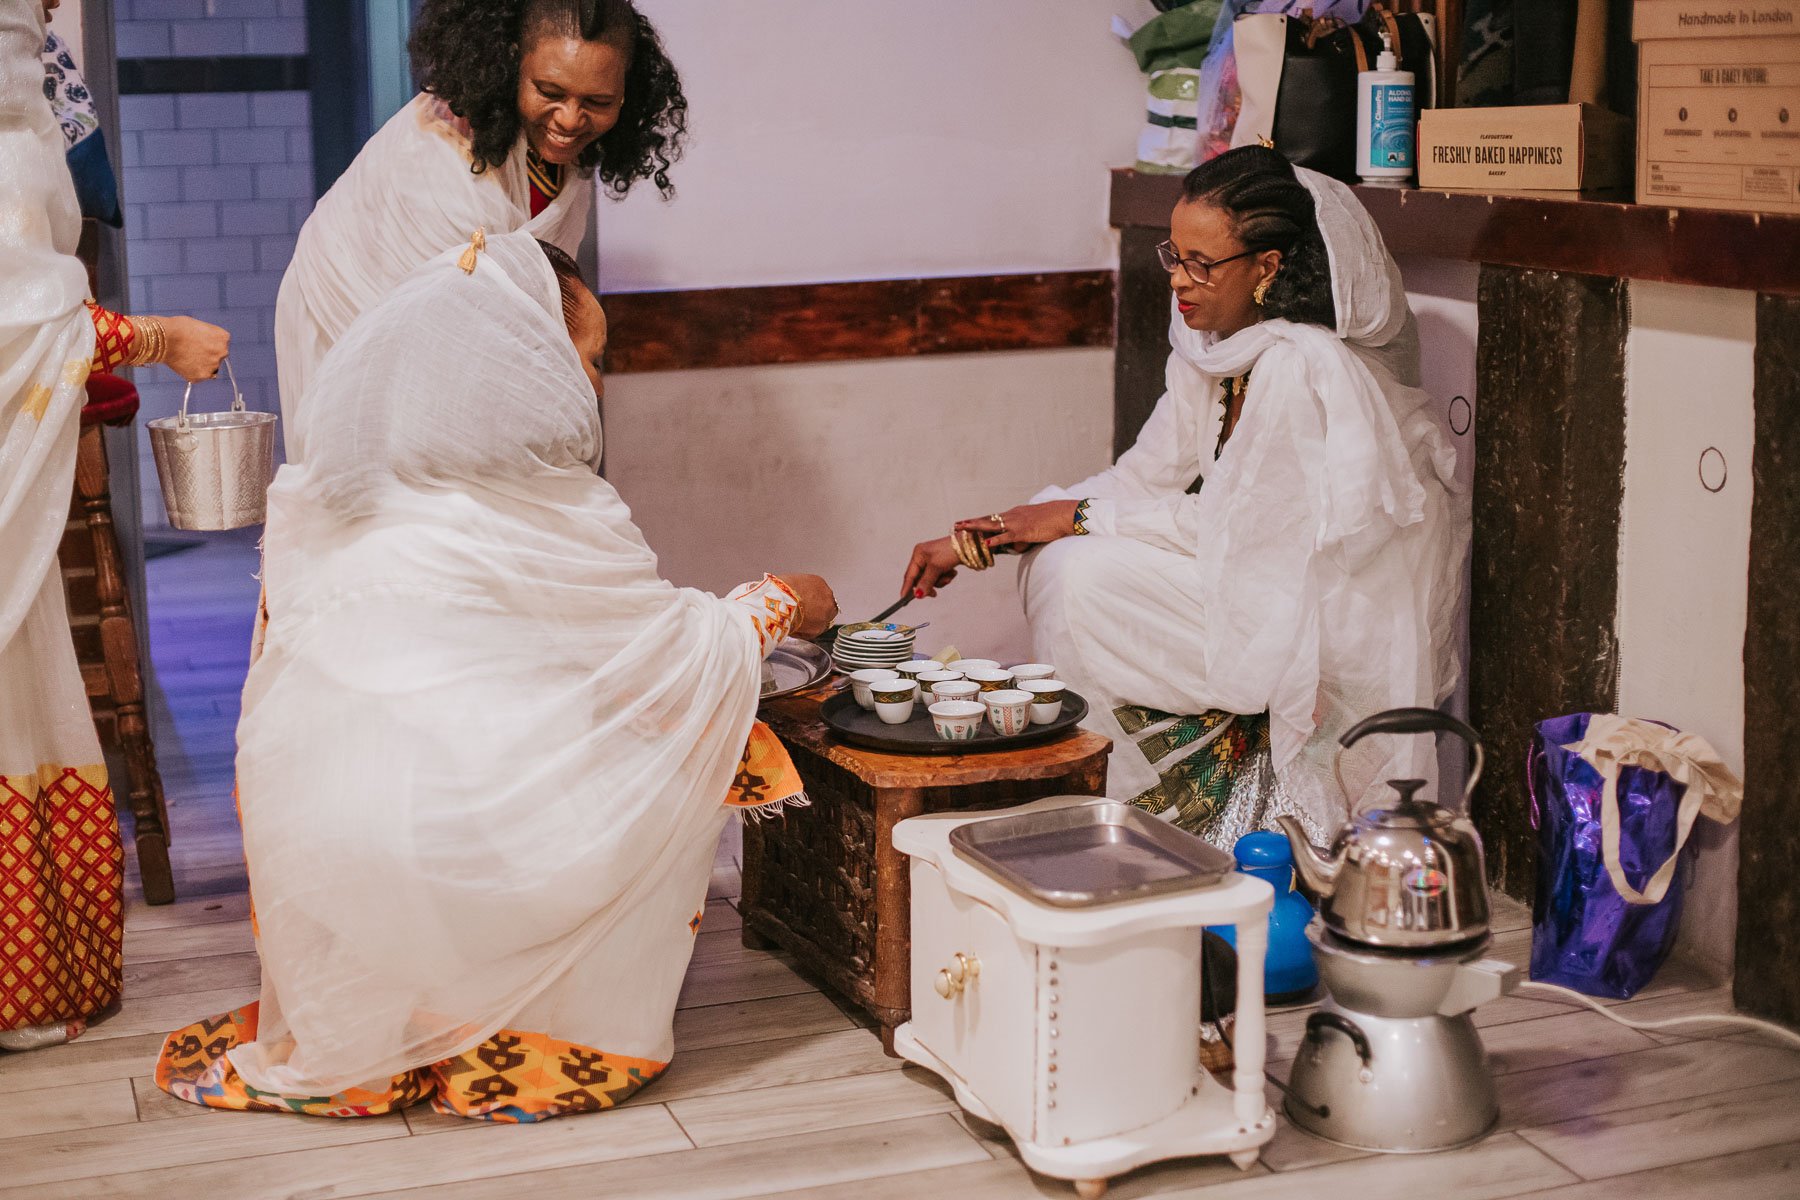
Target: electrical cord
[[1669, 1022]]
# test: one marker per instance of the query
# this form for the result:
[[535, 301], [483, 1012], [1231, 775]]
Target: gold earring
[[1262, 291]]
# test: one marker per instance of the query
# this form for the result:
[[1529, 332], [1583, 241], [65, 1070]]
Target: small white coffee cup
[[930, 679], [1008, 710], [894, 699], [1046, 699], [957, 720], [1026, 671], [956, 689], [965, 665], [918, 667], [860, 681], [991, 679]]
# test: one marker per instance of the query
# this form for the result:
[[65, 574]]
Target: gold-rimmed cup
[[990, 679]]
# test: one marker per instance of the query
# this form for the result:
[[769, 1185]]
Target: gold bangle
[[150, 343]]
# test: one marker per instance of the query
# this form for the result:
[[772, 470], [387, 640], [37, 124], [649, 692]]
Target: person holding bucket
[[60, 852]]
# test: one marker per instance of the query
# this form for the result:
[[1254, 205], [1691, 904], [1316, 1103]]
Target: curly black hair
[[453, 57], [1271, 210]]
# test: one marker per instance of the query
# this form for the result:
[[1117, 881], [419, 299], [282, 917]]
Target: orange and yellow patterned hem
[[512, 1078]]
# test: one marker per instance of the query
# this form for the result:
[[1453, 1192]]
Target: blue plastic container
[[1289, 974]]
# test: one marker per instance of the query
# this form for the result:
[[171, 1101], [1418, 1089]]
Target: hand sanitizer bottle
[[1386, 122]]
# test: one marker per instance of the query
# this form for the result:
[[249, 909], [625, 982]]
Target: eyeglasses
[[1198, 269]]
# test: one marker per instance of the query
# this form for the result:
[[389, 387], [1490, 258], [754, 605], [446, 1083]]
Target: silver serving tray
[[1090, 854], [796, 665]]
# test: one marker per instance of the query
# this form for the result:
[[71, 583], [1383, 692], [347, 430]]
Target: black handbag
[[1298, 75]]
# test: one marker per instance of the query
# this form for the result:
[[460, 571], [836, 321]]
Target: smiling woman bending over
[[525, 104]]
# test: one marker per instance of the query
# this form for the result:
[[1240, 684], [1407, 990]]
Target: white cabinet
[[1077, 1030], [986, 1023]]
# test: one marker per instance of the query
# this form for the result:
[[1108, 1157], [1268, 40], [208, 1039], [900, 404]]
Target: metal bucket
[[215, 468]]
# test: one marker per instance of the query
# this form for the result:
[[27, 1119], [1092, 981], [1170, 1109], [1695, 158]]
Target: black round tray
[[857, 725]]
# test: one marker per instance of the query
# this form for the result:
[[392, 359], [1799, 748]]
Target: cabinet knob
[[970, 965], [945, 986]]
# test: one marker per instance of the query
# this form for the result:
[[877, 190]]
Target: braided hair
[[1270, 209], [453, 56]]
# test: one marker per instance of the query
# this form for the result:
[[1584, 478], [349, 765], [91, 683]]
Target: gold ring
[[999, 520]]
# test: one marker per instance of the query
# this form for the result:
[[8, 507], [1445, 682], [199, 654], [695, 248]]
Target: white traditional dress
[[1314, 576], [61, 864], [487, 752], [409, 196]]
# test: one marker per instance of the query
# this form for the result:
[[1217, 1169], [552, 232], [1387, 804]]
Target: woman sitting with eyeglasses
[[1280, 553]]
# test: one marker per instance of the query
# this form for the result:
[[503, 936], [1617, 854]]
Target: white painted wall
[[1442, 293], [1684, 552], [861, 140], [838, 468], [836, 141]]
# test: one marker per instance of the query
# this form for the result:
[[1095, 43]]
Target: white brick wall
[[216, 188], [164, 28]]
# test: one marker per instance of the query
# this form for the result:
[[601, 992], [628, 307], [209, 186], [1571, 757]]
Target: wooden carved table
[[825, 883]]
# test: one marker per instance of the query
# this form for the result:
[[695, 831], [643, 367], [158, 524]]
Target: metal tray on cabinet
[[1090, 854]]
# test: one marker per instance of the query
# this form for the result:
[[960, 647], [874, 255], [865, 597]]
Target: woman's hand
[[933, 565], [195, 348], [1026, 525], [818, 605]]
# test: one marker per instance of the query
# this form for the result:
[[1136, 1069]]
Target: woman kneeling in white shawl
[[487, 753], [1282, 539]]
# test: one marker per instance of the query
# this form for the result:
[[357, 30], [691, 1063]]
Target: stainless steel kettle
[[1406, 876]]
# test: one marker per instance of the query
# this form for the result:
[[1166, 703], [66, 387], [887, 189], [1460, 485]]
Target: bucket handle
[[237, 397]]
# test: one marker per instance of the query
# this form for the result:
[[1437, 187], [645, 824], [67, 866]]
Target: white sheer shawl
[[46, 343], [484, 754], [1328, 539], [409, 195]]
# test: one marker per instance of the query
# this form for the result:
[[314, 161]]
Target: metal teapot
[[1407, 876]]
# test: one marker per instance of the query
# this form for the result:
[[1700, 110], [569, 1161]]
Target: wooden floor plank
[[1696, 1069], [34, 1163], [492, 1152], [154, 1104], [778, 1167], [771, 1064], [1501, 1166], [1766, 1173], [996, 1179], [799, 1015], [185, 942], [719, 1119], [89, 1059], [177, 976], [757, 977], [1662, 1135], [164, 1014], [30, 1111]]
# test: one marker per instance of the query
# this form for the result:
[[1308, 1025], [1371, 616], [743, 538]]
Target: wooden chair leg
[[124, 672]]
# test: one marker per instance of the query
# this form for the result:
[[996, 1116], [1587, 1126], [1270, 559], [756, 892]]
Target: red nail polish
[[918, 593]]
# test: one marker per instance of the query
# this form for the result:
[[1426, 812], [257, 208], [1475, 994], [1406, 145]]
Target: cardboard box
[[1719, 103], [1549, 147]]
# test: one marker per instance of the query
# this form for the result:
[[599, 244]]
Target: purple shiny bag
[[1584, 935]]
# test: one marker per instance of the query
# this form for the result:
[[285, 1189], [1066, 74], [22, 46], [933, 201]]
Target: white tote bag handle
[[1613, 743]]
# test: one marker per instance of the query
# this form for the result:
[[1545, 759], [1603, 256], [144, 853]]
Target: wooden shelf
[[1748, 251]]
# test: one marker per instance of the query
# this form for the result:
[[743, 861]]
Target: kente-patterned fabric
[[546, 181], [62, 871], [1199, 758], [512, 1078]]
